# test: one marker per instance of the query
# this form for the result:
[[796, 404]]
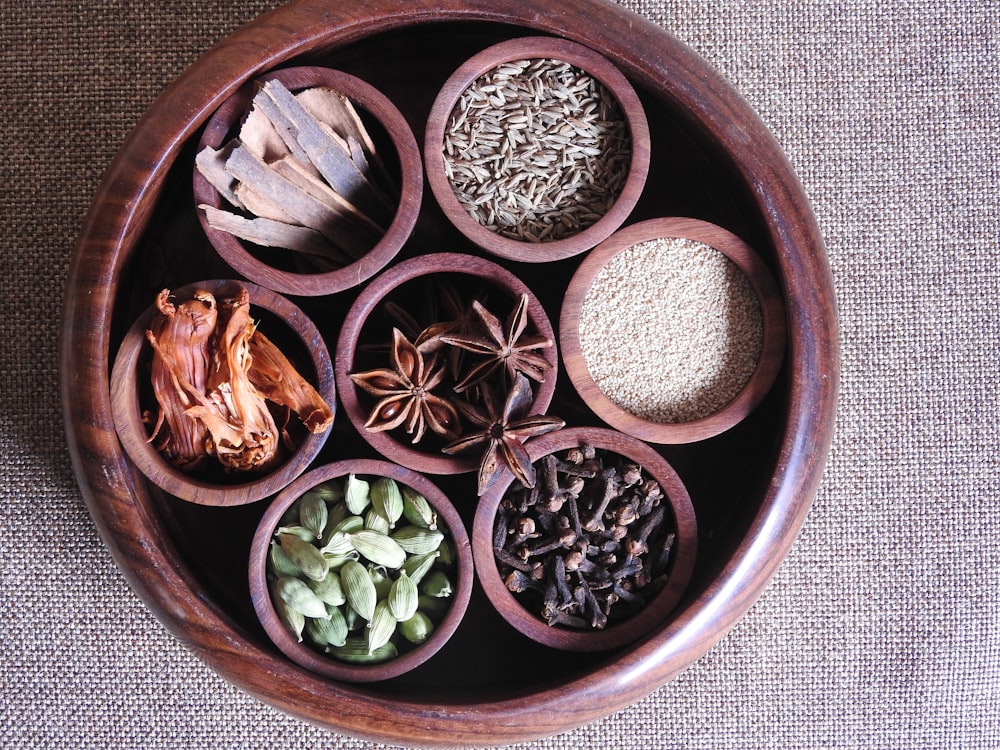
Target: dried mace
[[213, 375]]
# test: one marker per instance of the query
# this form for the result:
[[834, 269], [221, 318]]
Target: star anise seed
[[405, 393], [504, 433], [503, 345]]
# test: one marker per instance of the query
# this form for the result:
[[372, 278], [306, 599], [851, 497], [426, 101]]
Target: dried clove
[[578, 546]]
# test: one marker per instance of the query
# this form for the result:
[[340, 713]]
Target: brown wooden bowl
[[772, 327], [713, 159], [683, 553], [131, 395], [328, 666], [393, 138], [534, 48], [470, 275]]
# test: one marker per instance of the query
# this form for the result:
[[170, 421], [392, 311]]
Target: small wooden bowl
[[537, 47], [397, 139], [772, 322], [357, 404], [131, 394], [683, 552], [328, 666]]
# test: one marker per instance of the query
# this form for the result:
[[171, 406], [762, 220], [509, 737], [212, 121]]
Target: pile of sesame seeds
[[537, 150], [671, 330]]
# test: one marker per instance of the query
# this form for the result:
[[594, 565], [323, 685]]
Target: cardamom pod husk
[[359, 588], [356, 494], [417, 628], [417, 541], [313, 513], [379, 548], [417, 510], [329, 590], [304, 556], [402, 598], [381, 626], [299, 597], [387, 500]]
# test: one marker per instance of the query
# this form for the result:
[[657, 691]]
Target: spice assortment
[[537, 150], [360, 569], [589, 544], [586, 539], [301, 174], [214, 375]]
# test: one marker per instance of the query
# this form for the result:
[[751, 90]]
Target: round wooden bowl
[[470, 274], [534, 48], [393, 140], [772, 322], [712, 158], [683, 553], [131, 395], [326, 665]]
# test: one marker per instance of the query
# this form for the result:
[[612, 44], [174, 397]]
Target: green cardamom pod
[[335, 514], [350, 524], [417, 510], [378, 548], [294, 620], [291, 515], [338, 545], [375, 521], [387, 500], [433, 605], [355, 650], [355, 622], [448, 555], [332, 632], [416, 629], [329, 589], [313, 513], [417, 541], [331, 491], [306, 535], [359, 588], [279, 562], [402, 597], [437, 585], [304, 556], [380, 627], [356, 494], [381, 580], [417, 566], [298, 596], [336, 562]]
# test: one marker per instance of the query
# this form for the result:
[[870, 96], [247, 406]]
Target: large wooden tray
[[751, 486]]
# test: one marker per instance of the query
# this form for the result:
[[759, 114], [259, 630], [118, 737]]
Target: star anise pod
[[504, 433], [404, 393], [504, 345]]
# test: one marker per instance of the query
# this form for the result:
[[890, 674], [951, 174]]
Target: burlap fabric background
[[882, 628]]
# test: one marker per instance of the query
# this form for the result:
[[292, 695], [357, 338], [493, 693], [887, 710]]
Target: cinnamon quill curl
[[213, 374]]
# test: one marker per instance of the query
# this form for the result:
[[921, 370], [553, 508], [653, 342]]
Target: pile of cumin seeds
[[671, 330], [537, 150]]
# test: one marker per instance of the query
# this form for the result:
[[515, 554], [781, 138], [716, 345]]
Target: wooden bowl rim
[[375, 104], [537, 47], [772, 326], [132, 431], [683, 553], [387, 443], [313, 660], [115, 491]]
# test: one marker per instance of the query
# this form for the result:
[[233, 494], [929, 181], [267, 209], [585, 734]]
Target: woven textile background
[[882, 627]]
